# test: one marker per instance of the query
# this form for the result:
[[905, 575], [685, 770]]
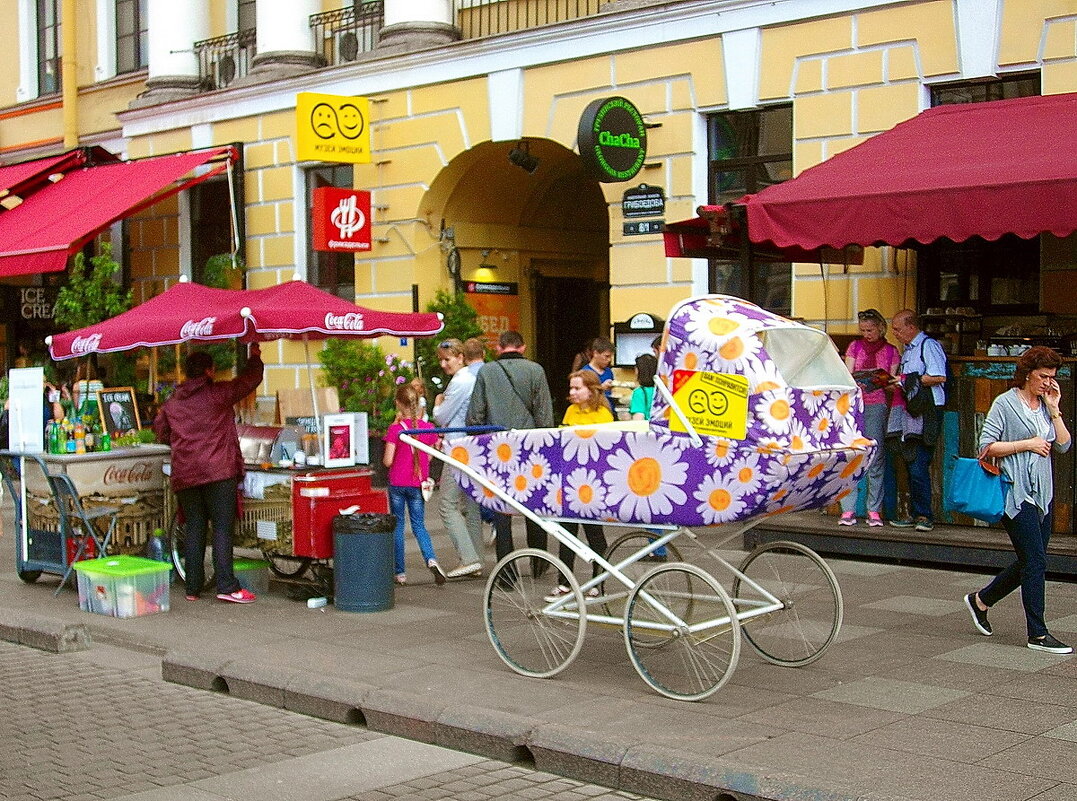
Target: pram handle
[[456, 430]]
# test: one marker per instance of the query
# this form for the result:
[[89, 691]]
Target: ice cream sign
[[332, 128]]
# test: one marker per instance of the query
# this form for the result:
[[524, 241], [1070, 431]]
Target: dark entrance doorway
[[568, 313]]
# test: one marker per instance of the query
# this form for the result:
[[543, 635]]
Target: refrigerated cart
[[290, 519]]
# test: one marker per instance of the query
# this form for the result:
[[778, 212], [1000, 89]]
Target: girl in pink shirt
[[408, 468]]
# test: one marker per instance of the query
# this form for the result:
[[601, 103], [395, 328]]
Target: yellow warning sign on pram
[[715, 404]]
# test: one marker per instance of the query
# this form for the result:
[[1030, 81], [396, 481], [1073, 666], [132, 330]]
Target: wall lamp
[[485, 255], [521, 156]]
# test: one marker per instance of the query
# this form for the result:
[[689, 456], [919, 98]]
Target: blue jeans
[[410, 498], [920, 482], [1029, 535], [214, 503]]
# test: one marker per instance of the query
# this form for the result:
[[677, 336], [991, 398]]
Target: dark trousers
[[596, 538], [536, 537], [1029, 535], [920, 482], [214, 503]]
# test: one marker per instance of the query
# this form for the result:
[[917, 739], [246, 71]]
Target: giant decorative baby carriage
[[753, 415]]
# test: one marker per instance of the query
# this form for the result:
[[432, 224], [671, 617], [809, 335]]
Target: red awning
[[52, 222], [982, 169], [13, 176], [714, 234]]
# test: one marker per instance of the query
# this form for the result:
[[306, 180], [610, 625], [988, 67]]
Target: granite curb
[[589, 756], [43, 633]]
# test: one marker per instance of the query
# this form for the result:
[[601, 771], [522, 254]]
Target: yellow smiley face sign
[[715, 404], [332, 128]]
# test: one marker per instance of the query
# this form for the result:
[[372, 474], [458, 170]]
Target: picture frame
[[118, 411], [338, 440]]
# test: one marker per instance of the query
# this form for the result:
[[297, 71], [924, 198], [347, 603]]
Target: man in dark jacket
[[512, 392], [199, 422]]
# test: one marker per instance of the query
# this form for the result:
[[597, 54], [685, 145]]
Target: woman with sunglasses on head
[[1021, 430], [871, 352]]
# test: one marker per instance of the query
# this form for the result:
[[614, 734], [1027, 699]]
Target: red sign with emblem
[[341, 219]]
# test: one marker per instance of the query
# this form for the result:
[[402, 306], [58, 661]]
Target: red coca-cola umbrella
[[191, 312]]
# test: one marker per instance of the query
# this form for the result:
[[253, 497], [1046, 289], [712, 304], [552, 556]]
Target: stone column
[[173, 29], [285, 39], [415, 24]]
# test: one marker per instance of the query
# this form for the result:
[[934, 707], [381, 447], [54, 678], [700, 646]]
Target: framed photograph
[[338, 440], [118, 411]]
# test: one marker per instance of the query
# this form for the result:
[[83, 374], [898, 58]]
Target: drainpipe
[[69, 76]]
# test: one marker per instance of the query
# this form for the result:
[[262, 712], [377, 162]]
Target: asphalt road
[[102, 724]]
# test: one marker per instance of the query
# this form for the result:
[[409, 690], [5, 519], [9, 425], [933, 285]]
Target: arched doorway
[[545, 230]]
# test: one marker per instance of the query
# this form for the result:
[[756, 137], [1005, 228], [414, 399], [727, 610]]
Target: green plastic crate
[[252, 574], [123, 586]]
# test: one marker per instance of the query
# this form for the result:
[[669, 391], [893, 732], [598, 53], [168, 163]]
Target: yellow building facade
[[446, 109]]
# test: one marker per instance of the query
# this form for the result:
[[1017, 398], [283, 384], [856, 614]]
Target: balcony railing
[[341, 36], [225, 58], [477, 18]]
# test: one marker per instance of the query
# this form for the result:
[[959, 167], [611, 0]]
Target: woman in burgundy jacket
[[199, 422]]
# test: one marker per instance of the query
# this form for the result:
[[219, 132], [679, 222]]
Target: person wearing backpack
[[917, 423]]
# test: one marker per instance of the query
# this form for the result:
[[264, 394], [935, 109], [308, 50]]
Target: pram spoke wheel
[[812, 609], [629, 544], [681, 632], [533, 636]]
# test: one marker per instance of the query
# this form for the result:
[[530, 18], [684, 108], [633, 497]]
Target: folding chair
[[78, 522]]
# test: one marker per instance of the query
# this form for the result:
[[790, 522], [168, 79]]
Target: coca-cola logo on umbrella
[[198, 328], [353, 321], [83, 345]]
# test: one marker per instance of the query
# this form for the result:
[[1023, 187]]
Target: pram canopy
[[777, 414]]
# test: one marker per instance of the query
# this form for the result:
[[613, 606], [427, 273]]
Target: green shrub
[[366, 379]]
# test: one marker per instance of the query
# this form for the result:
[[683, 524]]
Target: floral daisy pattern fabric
[[803, 448]]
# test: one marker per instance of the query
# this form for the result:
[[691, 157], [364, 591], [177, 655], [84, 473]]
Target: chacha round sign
[[612, 139]]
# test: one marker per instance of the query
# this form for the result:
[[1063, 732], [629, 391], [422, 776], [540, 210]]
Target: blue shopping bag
[[978, 489]]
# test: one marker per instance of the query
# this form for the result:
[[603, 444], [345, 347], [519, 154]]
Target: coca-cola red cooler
[[319, 497]]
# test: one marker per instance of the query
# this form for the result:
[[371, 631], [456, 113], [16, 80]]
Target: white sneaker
[[472, 570], [435, 568]]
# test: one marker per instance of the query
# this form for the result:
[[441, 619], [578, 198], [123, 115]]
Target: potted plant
[[366, 379]]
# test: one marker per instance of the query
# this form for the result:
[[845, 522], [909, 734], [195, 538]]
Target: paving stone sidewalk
[[910, 703]]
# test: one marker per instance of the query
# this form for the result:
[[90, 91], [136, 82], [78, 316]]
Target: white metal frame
[[566, 606]]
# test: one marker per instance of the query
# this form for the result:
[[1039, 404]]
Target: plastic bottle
[[69, 436], [80, 437], [155, 546], [53, 437], [106, 442]]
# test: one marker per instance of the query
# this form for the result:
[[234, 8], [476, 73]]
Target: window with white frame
[[332, 271], [132, 35], [49, 51]]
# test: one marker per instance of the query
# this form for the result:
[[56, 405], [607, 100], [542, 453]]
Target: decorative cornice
[[607, 32]]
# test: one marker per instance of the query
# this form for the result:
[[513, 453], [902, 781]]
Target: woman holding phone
[[1021, 430]]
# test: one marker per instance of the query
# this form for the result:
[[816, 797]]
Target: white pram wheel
[[681, 632], [533, 636], [812, 607], [614, 593]]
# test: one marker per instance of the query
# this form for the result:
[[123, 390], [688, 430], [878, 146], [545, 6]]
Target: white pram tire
[[812, 609], [533, 636], [689, 656]]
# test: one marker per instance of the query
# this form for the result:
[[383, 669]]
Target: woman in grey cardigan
[[1022, 428]]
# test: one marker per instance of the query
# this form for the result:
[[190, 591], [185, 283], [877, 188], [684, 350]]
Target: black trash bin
[[363, 562]]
